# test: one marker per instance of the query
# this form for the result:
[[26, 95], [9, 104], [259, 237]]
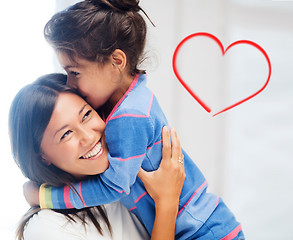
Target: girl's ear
[[119, 59], [44, 160]]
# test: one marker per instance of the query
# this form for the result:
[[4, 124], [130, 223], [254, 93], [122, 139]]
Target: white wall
[[261, 132], [246, 153], [25, 55]]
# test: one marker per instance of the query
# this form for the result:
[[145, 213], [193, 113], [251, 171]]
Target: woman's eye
[[88, 113], [65, 134]]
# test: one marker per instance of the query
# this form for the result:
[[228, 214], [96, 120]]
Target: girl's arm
[[164, 186], [109, 186], [127, 140]]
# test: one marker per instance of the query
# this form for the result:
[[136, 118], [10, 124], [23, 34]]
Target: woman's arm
[[164, 186]]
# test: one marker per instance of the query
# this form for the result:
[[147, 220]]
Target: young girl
[[100, 44], [40, 117]]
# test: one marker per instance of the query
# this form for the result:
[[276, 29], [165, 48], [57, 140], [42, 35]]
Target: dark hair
[[93, 29], [29, 116]]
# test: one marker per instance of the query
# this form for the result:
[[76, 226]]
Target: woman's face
[[74, 139]]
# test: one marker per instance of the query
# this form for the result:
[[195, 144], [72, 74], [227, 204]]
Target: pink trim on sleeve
[[129, 158], [140, 197], [135, 115], [196, 191], [217, 201], [123, 191], [132, 208], [155, 144], [67, 197], [233, 234]]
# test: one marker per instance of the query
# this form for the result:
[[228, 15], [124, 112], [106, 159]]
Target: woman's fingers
[[174, 163], [171, 148], [177, 159], [166, 152], [176, 148], [142, 174]]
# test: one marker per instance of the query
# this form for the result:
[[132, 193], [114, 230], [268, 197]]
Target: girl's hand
[[31, 193], [165, 184]]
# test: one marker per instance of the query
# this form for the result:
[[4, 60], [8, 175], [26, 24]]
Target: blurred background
[[246, 153]]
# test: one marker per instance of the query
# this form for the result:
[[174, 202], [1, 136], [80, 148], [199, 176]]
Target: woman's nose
[[86, 136]]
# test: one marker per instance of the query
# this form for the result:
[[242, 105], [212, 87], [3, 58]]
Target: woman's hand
[[31, 193], [164, 185]]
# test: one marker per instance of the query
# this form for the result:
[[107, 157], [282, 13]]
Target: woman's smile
[[95, 152]]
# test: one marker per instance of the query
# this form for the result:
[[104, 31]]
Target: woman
[[58, 139]]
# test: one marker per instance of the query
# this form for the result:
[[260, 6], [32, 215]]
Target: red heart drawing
[[208, 35]]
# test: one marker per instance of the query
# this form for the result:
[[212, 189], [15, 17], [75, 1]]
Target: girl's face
[[97, 83], [74, 138]]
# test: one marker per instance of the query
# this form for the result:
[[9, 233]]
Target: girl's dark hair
[[93, 29], [29, 116]]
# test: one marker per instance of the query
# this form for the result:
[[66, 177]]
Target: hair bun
[[118, 5]]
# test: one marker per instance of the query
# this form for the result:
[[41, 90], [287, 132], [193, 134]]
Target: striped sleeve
[[61, 197], [45, 196]]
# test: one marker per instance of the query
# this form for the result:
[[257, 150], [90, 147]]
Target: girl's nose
[[71, 82]]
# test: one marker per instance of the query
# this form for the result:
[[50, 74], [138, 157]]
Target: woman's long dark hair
[[93, 29], [29, 117]]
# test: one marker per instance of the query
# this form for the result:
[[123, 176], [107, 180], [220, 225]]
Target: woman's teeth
[[94, 151]]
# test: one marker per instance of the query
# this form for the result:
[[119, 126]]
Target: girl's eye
[[65, 134], [88, 113], [74, 73]]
